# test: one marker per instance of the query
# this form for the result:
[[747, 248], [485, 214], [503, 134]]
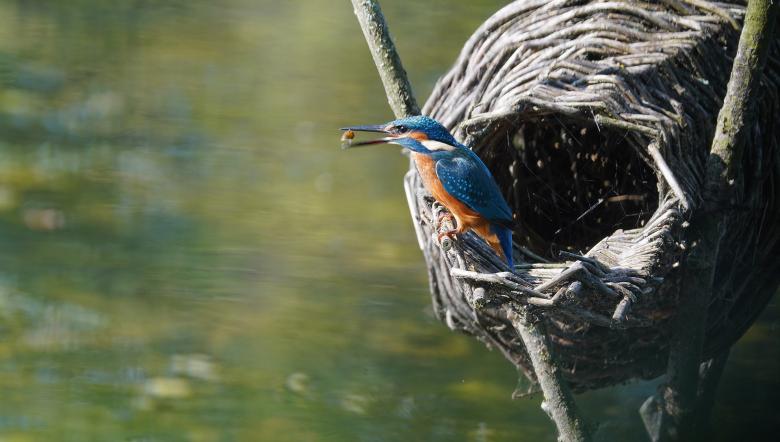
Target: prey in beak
[[347, 140]]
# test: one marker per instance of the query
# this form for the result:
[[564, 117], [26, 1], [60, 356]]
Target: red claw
[[449, 234]]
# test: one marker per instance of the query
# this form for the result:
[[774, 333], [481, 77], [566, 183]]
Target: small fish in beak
[[347, 140]]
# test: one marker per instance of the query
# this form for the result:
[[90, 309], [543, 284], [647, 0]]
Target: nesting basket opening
[[571, 183], [596, 119]]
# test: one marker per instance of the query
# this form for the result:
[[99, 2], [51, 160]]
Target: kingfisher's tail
[[505, 241]]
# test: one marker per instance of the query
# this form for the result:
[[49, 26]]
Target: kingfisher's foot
[[449, 234], [445, 216]]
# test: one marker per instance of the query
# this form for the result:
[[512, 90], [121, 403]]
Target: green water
[[187, 255]]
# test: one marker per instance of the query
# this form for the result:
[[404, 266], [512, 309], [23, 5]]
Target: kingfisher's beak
[[349, 134]]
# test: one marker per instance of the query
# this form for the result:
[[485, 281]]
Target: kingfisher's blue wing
[[466, 178]]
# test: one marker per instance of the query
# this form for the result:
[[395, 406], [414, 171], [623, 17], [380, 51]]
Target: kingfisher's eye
[[400, 129]]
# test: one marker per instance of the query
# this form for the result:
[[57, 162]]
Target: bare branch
[[388, 63], [558, 400]]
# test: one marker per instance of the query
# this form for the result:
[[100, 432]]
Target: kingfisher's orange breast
[[464, 216]]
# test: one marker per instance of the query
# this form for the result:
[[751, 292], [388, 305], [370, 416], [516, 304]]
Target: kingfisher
[[455, 176]]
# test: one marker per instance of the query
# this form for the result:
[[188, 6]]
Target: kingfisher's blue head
[[420, 134]]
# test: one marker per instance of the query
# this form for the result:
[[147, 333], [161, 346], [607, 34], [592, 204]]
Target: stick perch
[[388, 63], [558, 400]]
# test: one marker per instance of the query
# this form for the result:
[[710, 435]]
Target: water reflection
[[186, 254]]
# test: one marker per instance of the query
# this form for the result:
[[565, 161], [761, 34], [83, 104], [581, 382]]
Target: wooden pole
[[388, 63], [558, 400], [671, 414], [709, 377]]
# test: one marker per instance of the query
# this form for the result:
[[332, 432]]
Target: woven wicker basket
[[596, 119]]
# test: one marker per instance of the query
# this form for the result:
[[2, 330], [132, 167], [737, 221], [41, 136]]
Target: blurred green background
[[187, 255]]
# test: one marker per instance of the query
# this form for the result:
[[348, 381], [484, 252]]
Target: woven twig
[[595, 117]]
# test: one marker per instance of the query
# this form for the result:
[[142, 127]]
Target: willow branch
[[388, 63], [737, 116], [558, 400]]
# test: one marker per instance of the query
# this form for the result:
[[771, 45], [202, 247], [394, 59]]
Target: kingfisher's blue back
[[464, 176]]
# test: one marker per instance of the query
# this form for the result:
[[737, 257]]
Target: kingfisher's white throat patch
[[436, 145]]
